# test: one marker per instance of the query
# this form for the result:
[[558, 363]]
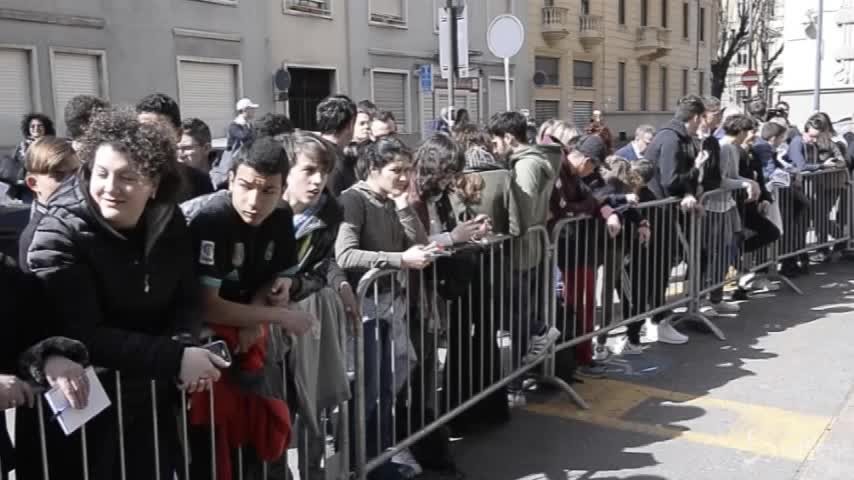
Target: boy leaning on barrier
[[243, 245], [316, 364]]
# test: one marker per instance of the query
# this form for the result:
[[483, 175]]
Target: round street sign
[[749, 78], [505, 36]]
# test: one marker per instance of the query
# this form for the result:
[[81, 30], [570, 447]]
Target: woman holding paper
[[115, 257]]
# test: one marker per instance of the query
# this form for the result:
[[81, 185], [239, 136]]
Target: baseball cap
[[592, 146], [245, 103]]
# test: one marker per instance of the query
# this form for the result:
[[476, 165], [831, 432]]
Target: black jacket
[[317, 268], [123, 299], [673, 152]]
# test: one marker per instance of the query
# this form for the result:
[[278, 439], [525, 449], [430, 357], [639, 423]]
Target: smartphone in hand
[[220, 349]]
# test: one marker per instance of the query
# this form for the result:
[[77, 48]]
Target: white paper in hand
[[71, 419]]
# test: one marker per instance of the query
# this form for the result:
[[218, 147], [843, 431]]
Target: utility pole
[[452, 75], [816, 99], [750, 19]]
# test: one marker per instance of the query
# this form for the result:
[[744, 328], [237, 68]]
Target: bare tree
[[767, 43], [734, 34]]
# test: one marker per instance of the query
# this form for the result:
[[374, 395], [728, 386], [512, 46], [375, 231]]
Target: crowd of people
[[145, 247]]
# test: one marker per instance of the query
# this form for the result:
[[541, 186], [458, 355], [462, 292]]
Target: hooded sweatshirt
[[672, 153]]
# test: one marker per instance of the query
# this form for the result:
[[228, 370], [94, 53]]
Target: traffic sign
[[505, 36], [750, 78], [425, 77]]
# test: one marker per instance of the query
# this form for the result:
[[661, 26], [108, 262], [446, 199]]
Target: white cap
[[245, 103]]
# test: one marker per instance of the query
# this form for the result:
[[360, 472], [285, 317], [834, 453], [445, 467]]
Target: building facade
[[376, 49], [837, 65], [205, 53], [631, 59]]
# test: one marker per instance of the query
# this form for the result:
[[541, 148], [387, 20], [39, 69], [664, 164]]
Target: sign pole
[[507, 82], [452, 75], [816, 99]]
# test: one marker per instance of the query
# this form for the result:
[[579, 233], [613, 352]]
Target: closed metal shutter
[[390, 94], [16, 98], [546, 109], [496, 95], [581, 113], [74, 74], [391, 8], [428, 114], [209, 92]]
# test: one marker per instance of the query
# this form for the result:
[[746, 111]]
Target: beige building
[[631, 59]]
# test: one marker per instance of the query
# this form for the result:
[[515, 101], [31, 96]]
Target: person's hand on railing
[[701, 158], [632, 199], [199, 368], [470, 230], [763, 206], [70, 377], [614, 225], [753, 191], [688, 203], [644, 233], [419, 257], [14, 392]]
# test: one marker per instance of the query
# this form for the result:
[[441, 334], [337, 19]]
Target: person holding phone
[[244, 246], [111, 253]]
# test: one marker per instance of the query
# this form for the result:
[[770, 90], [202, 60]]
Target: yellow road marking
[[761, 430]]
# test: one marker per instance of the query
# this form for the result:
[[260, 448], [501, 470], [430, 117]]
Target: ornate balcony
[[652, 42], [590, 30], [555, 26]]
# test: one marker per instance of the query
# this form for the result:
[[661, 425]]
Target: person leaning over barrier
[[244, 246], [28, 356], [318, 371], [112, 253]]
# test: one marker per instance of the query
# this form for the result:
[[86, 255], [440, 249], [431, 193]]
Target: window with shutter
[[74, 74], [390, 91], [546, 109], [209, 91], [581, 113], [391, 12], [16, 97]]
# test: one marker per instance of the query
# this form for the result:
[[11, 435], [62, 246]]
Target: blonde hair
[[469, 188], [618, 171], [48, 154]]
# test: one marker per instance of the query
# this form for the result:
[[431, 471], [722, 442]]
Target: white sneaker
[[539, 344], [625, 347], [649, 331], [668, 334], [600, 352], [405, 458], [764, 285], [725, 307]]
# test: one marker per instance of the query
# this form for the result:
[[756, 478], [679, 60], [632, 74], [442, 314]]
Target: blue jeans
[[379, 387]]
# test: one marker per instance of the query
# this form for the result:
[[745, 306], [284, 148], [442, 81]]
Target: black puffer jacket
[[123, 299]]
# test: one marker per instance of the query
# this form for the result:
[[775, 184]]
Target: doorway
[[309, 86]]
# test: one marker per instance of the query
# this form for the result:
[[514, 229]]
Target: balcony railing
[[314, 7], [590, 28], [555, 23]]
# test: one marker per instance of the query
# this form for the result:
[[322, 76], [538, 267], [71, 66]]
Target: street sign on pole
[[425, 77], [750, 78], [505, 37]]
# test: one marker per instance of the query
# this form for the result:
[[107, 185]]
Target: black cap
[[592, 146]]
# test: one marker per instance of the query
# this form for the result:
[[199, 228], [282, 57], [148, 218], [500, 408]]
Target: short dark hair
[[513, 123], [772, 130], [79, 111], [49, 130], [374, 155], [644, 169], [385, 116], [437, 157], [197, 130], [335, 114], [265, 155], [273, 124], [149, 147], [161, 104], [738, 123], [688, 107], [316, 147], [367, 107], [783, 102], [817, 122]]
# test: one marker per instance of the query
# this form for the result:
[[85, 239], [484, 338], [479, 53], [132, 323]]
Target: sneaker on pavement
[[405, 459], [539, 344], [764, 285], [668, 334], [600, 352], [625, 347], [725, 307], [594, 370]]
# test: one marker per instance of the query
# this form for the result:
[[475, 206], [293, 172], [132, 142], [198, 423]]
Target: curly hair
[[470, 135], [273, 124], [374, 155], [619, 173], [437, 158], [79, 111], [49, 130], [150, 148]]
